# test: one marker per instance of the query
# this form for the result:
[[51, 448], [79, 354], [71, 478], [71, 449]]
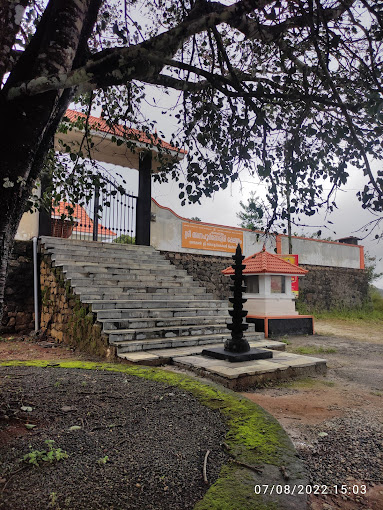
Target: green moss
[[234, 490], [254, 436], [45, 296], [312, 349], [81, 314]]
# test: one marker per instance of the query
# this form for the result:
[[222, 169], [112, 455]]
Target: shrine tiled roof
[[100, 124], [265, 262], [83, 223]]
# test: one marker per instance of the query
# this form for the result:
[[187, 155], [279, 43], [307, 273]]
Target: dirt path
[[336, 421], [25, 348], [354, 330]]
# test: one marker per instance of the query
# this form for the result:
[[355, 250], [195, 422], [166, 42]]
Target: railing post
[[95, 212], [144, 200]]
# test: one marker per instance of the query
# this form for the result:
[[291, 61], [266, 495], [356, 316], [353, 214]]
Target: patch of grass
[[306, 383], [330, 384], [103, 460], [8, 338], [36, 457], [312, 349], [52, 499], [359, 315], [377, 393]]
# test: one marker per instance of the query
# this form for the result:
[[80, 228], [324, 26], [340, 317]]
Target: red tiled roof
[[99, 124], [83, 221], [265, 262]]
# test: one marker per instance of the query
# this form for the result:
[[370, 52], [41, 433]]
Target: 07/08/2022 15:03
[[310, 489]]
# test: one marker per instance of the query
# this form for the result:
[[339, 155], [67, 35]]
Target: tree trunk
[[26, 138], [28, 124]]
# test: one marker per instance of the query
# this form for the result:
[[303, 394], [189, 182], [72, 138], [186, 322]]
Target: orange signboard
[[294, 279], [209, 237]]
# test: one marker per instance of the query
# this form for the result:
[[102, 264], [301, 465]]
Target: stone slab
[[240, 376], [140, 356]]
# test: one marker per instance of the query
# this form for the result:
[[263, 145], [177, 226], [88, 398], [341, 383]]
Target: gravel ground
[[336, 421], [342, 449], [136, 444]]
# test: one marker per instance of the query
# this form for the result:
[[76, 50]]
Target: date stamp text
[[293, 490]]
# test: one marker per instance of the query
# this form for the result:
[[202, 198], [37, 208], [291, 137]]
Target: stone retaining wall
[[328, 288], [19, 314], [206, 269], [323, 288], [65, 318]]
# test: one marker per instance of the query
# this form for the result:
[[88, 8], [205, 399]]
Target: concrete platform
[[241, 376], [236, 376], [165, 356]]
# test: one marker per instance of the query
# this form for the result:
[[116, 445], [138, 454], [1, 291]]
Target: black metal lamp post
[[237, 342], [237, 348]]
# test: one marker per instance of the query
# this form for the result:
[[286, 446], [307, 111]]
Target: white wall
[[166, 234], [29, 224], [323, 253]]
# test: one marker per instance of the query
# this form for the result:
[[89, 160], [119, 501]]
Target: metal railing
[[109, 216]]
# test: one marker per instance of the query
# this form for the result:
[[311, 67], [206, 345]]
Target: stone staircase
[[143, 302]]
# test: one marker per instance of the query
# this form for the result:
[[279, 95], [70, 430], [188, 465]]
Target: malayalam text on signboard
[[207, 237]]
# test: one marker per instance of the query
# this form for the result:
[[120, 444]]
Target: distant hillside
[[379, 290]]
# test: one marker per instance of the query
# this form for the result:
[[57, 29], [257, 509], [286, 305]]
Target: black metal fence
[[109, 216]]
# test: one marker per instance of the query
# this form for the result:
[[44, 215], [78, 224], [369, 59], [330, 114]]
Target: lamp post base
[[236, 357]]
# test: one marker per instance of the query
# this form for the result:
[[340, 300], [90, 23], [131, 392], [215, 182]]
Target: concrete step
[[167, 288], [58, 242], [89, 298], [181, 341], [81, 270], [122, 335], [163, 322], [155, 313], [110, 267], [121, 282], [89, 294], [112, 278], [103, 253], [95, 257], [144, 303]]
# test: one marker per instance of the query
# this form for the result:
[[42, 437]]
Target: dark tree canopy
[[288, 89]]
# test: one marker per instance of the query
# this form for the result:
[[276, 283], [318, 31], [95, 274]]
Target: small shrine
[[270, 298]]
